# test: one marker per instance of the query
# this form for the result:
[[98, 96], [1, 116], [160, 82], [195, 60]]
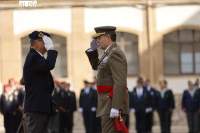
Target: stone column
[[79, 43], [144, 47], [9, 48], [155, 50]]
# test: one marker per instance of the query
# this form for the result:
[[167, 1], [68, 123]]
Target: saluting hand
[[93, 44], [48, 43]]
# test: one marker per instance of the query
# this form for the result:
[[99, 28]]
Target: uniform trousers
[[149, 122], [193, 121], [36, 122], [165, 121], [107, 124]]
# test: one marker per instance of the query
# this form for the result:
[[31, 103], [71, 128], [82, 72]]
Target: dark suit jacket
[[10, 106], [190, 103], [154, 97], [66, 100], [167, 102], [140, 104], [38, 81], [72, 101], [87, 101]]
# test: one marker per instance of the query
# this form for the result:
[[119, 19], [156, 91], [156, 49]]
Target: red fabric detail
[[120, 126], [102, 89], [6, 88]]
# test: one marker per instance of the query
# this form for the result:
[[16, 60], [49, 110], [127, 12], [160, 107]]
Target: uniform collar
[[164, 90], [148, 87], [87, 90], [107, 50], [191, 91], [38, 52]]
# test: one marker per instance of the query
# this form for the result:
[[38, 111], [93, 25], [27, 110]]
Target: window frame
[[180, 45], [138, 58]]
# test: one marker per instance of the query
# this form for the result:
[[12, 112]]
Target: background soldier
[[97, 120], [88, 103], [11, 106], [111, 77], [141, 104], [154, 98], [197, 88], [69, 106], [166, 104], [190, 105], [54, 122], [130, 111]]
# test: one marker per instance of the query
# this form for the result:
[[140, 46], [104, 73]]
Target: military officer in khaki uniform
[[111, 77]]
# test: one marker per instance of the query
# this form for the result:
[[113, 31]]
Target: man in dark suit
[[38, 82], [11, 106], [166, 105], [141, 105], [190, 105], [88, 104], [69, 106], [197, 89], [154, 98]]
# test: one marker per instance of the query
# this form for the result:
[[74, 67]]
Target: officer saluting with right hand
[[111, 77], [38, 82]]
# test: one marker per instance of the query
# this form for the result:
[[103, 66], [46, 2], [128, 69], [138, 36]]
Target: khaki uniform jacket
[[111, 71]]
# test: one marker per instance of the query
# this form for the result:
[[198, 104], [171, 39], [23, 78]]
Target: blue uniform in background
[[190, 104], [166, 104], [140, 102]]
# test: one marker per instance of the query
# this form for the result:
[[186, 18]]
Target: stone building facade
[[161, 38]]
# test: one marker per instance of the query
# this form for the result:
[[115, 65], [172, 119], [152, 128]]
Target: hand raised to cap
[[93, 44], [48, 43]]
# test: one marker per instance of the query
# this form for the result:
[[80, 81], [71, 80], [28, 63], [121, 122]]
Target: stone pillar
[[79, 43], [155, 43], [10, 49], [1, 60], [144, 47]]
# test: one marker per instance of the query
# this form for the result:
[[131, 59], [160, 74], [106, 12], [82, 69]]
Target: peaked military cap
[[103, 30], [86, 82], [35, 35]]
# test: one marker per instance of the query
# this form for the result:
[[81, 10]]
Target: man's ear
[[109, 36]]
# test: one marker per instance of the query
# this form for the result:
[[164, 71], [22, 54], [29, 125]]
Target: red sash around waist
[[103, 89]]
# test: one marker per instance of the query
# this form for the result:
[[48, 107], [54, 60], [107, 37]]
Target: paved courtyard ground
[[78, 127]]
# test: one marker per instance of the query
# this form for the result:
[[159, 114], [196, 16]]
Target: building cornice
[[14, 4]]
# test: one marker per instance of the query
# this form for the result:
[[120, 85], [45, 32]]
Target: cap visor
[[97, 35]]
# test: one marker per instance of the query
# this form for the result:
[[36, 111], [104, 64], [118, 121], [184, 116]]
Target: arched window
[[129, 44], [60, 69], [182, 52]]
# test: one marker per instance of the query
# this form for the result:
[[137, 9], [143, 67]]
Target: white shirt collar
[[139, 91], [38, 52], [192, 91], [107, 48], [87, 89], [148, 87], [164, 90]]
